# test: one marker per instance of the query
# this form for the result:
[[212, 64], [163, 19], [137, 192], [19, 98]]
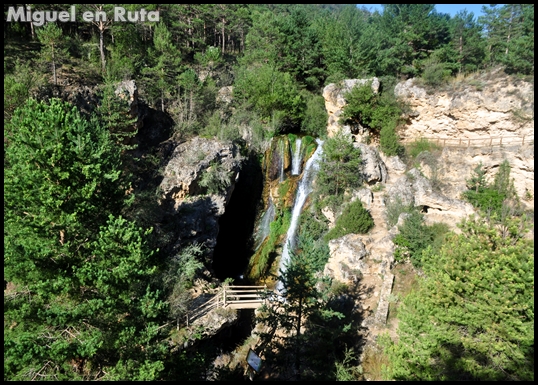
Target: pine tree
[[51, 36], [473, 316], [287, 316], [80, 305]]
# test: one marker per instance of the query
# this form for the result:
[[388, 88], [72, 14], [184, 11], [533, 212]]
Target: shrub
[[315, 120], [388, 141], [355, 219], [414, 237], [395, 207], [421, 145], [215, 179], [435, 73]]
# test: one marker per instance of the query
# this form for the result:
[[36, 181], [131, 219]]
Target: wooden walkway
[[477, 142], [233, 297]]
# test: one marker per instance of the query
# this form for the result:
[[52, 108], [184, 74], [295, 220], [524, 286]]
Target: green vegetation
[[326, 319], [261, 261], [414, 149], [96, 285], [215, 179], [355, 219], [84, 269], [473, 316], [378, 112], [414, 237], [498, 198], [339, 170]]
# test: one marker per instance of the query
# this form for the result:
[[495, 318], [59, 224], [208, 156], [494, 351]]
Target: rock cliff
[[186, 194], [493, 106]]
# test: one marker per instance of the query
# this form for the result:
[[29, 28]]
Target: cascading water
[[281, 147], [296, 160], [265, 222], [305, 187]]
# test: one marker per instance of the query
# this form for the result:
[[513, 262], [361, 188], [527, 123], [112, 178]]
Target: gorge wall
[[481, 108]]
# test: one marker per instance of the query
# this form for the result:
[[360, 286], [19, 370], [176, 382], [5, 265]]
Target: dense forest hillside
[[150, 161]]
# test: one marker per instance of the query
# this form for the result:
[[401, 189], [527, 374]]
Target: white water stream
[[265, 223], [296, 160], [305, 188], [281, 148]]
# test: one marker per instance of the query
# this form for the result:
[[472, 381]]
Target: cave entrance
[[236, 225]]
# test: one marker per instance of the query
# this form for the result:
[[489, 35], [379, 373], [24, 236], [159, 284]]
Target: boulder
[[373, 168], [347, 258], [365, 195]]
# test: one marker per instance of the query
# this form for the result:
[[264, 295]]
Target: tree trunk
[[509, 28], [223, 36], [297, 344], [54, 67], [461, 52], [102, 46]]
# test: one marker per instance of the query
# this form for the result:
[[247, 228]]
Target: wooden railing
[[478, 142], [235, 297]]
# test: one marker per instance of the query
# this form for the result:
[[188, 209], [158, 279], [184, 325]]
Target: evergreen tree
[[51, 36], [80, 305], [165, 60], [473, 315], [340, 168]]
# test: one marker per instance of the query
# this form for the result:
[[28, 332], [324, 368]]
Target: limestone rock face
[[197, 213], [364, 195], [373, 168], [347, 258], [458, 165], [417, 190], [469, 112], [393, 164], [127, 90], [225, 95], [334, 101], [190, 160]]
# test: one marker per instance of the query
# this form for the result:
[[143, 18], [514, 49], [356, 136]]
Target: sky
[[451, 9]]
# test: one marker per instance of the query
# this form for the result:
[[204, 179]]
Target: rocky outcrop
[[364, 195], [190, 160], [456, 166], [372, 168], [415, 189], [494, 106], [335, 101], [127, 90], [196, 212], [347, 259]]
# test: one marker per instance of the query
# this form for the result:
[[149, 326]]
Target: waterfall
[[265, 222], [281, 145], [296, 160], [305, 187]]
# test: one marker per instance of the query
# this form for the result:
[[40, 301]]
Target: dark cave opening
[[236, 225]]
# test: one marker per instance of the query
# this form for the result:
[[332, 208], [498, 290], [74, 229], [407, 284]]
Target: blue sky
[[451, 9]]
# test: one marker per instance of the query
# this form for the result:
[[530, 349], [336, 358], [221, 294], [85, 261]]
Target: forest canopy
[[92, 288]]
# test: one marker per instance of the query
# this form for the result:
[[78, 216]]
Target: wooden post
[[460, 142], [523, 141], [468, 143], [501, 142], [490, 141], [444, 142]]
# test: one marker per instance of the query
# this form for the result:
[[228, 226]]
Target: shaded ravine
[[236, 225], [304, 189]]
